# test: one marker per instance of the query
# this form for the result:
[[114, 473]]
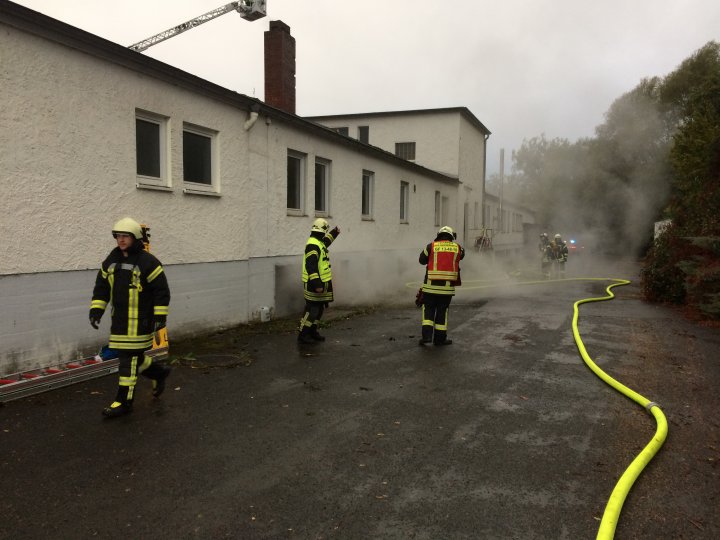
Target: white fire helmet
[[128, 226], [320, 225]]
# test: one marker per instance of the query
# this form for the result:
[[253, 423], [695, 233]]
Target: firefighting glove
[[419, 298], [95, 316], [335, 232], [160, 322]]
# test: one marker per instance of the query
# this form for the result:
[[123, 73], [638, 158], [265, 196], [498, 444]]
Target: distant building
[[451, 141], [509, 223]]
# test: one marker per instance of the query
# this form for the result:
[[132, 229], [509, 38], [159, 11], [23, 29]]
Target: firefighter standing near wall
[[560, 255], [317, 279], [442, 258], [546, 257], [133, 282]]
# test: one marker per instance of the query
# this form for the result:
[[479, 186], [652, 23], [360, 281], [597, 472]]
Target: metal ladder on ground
[[27, 383]]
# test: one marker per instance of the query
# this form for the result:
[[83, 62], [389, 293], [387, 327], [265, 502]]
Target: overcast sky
[[522, 67]]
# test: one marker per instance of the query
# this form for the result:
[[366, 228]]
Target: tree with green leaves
[[683, 266]]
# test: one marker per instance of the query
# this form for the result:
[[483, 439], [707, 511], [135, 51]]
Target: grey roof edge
[[37, 23], [464, 111]]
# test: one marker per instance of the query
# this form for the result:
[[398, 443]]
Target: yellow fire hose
[[619, 493], [622, 488]]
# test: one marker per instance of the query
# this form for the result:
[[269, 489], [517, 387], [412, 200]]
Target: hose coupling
[[650, 405]]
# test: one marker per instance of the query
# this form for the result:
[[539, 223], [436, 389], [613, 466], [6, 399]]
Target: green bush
[[684, 270], [661, 277]]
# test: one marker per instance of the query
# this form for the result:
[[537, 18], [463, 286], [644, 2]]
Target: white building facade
[[510, 227], [93, 132], [451, 141]]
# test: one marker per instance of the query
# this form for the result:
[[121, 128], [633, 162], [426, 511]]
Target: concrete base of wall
[[44, 320]]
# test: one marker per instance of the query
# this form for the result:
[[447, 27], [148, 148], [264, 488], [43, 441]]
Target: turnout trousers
[[311, 317], [130, 364], [435, 317]]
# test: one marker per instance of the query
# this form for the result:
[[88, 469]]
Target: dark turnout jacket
[[137, 289]]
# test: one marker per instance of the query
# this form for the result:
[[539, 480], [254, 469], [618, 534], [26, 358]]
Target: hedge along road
[[504, 434]]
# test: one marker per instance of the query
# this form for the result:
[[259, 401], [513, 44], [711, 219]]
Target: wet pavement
[[504, 434]]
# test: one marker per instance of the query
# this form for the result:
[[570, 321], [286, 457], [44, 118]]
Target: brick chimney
[[280, 67]]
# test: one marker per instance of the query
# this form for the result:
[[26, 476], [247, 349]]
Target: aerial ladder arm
[[250, 10]]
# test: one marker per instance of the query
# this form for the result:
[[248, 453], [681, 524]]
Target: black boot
[[315, 334], [117, 408], [443, 342], [426, 335], [159, 383], [304, 336]]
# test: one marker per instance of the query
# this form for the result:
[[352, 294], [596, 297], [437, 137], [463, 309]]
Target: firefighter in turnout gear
[[442, 258], [546, 257], [317, 279], [133, 283], [559, 251]]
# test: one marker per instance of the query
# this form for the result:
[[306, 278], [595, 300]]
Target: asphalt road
[[504, 434]]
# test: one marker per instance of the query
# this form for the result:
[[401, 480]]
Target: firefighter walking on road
[[442, 259], [317, 279], [133, 283]]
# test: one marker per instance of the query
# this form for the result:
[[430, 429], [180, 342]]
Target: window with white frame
[[405, 150], [295, 182], [438, 208], [322, 187], [368, 188], [151, 150], [404, 202], [199, 160]]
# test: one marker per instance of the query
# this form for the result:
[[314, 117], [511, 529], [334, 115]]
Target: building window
[[342, 130], [476, 216], [368, 188], [322, 187], [364, 134], [404, 202], [405, 150], [199, 168], [438, 208], [295, 182], [445, 210], [151, 150]]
